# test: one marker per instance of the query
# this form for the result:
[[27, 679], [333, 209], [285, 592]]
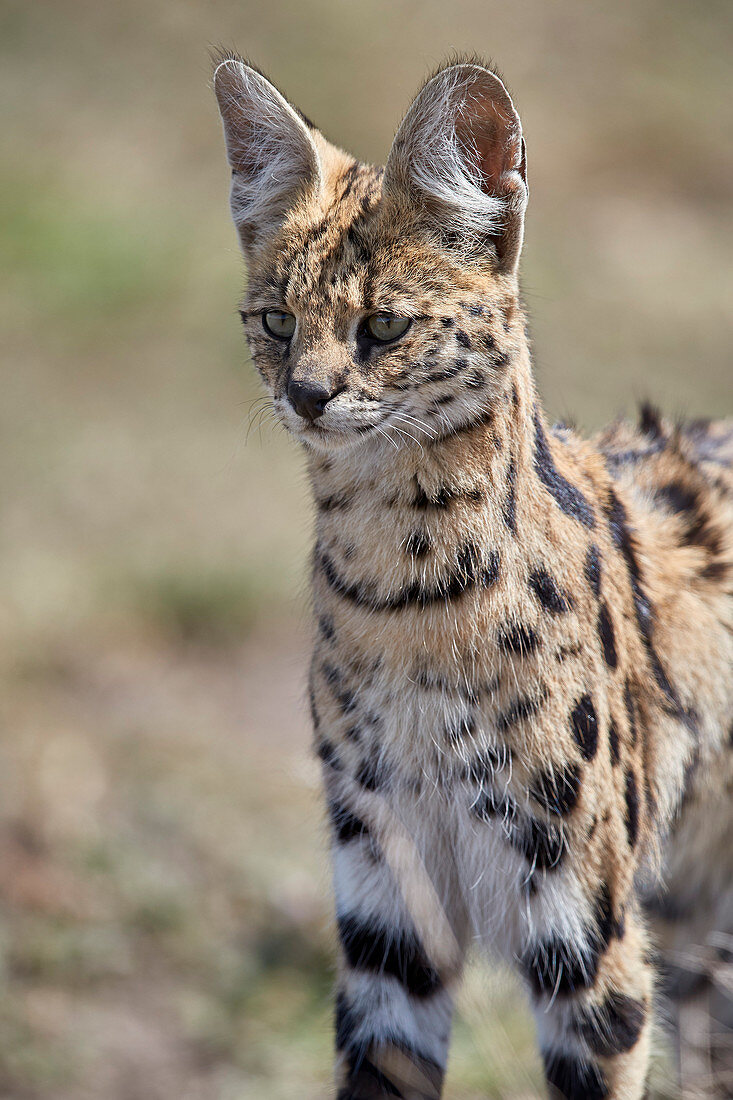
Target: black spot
[[326, 752], [559, 967], [326, 627], [460, 727], [490, 573], [557, 789], [541, 842], [573, 1078], [518, 639], [624, 540], [632, 809], [562, 967], [510, 501], [548, 593], [614, 459], [613, 743], [650, 422], [520, 710], [346, 826], [441, 498], [334, 503], [444, 399], [607, 636], [567, 496], [463, 339], [447, 372], [344, 696], [475, 380], [418, 544], [490, 804], [584, 724], [381, 951], [488, 341], [363, 1077], [677, 497], [716, 571], [469, 573], [703, 531], [486, 763], [447, 322], [613, 1027], [468, 557], [370, 775], [593, 569]]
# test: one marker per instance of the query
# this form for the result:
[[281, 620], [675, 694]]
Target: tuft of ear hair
[[459, 155], [272, 155]]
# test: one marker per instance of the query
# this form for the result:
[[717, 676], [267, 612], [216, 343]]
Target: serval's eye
[[385, 327], [279, 324]]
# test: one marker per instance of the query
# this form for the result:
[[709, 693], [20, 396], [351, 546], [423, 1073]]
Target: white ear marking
[[271, 152], [460, 147]]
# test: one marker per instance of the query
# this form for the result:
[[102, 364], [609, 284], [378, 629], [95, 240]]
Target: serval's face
[[380, 304], [389, 329]]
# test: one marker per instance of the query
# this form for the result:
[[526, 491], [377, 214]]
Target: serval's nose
[[309, 399]]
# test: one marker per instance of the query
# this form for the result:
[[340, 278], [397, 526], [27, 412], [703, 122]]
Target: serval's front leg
[[401, 949], [592, 984]]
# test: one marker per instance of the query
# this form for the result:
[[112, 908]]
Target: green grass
[[84, 262], [212, 608]]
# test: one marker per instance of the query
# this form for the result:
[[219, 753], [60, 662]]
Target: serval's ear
[[459, 154], [273, 157]]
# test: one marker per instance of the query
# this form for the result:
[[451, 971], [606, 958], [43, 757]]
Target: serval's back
[[522, 685]]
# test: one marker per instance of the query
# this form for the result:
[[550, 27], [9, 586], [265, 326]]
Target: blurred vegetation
[[164, 914]]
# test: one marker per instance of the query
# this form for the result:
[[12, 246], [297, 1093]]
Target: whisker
[[402, 431], [416, 422], [257, 416], [380, 429]]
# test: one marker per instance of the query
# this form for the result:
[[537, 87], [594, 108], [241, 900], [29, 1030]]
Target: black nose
[[309, 399]]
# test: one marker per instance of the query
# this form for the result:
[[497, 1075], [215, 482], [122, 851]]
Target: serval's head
[[380, 302]]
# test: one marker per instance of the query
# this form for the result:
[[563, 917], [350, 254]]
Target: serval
[[521, 684]]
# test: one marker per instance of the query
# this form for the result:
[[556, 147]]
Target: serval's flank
[[522, 685]]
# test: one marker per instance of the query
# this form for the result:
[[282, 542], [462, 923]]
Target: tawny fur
[[521, 684]]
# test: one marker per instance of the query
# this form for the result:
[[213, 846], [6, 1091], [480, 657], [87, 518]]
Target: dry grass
[[164, 914]]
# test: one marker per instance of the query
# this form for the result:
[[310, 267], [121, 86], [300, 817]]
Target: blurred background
[[165, 921]]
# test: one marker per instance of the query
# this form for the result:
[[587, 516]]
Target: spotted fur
[[521, 680]]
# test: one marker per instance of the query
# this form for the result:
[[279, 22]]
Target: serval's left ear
[[270, 148], [459, 155]]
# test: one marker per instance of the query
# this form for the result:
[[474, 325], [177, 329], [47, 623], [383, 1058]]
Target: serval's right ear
[[273, 157]]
